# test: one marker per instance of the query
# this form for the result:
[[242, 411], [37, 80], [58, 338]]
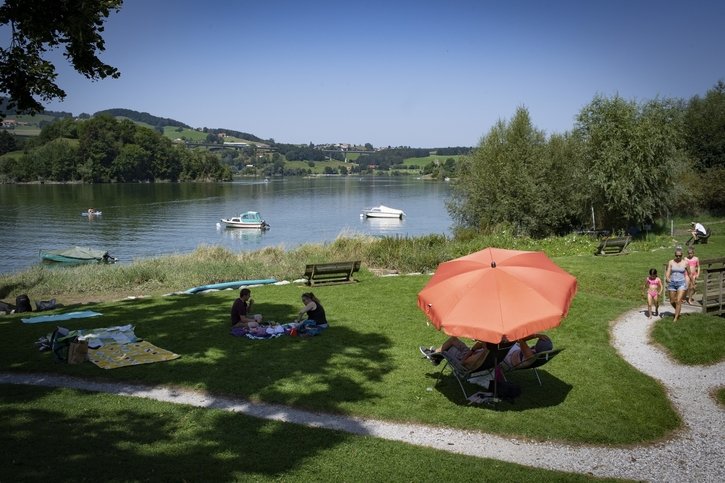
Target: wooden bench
[[337, 272], [613, 246], [712, 286]]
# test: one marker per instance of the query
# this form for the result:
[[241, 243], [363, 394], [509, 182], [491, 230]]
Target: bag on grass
[[505, 390], [77, 351], [6, 308], [45, 305], [22, 304]]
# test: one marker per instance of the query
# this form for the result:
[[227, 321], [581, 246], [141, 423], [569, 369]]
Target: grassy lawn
[[422, 162], [319, 166], [367, 364], [697, 339], [721, 396], [62, 434], [173, 132]]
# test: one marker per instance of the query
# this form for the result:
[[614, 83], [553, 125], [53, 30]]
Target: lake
[[146, 220]]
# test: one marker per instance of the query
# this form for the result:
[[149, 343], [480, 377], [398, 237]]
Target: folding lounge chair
[[480, 375], [535, 362]]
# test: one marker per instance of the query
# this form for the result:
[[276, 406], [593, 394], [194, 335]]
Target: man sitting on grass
[[241, 308]]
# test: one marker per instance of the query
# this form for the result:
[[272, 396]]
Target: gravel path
[[695, 453]]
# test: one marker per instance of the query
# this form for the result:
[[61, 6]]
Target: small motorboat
[[91, 213], [77, 255], [250, 219], [383, 211]]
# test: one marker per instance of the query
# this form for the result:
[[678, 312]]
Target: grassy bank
[[212, 264]]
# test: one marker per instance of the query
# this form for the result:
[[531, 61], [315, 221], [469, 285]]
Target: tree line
[[626, 163], [103, 150]]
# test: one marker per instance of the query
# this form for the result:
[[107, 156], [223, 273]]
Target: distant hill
[[143, 117]]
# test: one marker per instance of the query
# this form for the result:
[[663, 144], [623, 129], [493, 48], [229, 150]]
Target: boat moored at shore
[[77, 255]]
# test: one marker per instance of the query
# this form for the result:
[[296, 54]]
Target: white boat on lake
[[383, 211], [250, 219]]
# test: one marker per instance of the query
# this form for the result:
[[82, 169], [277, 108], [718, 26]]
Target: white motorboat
[[250, 219], [383, 211]]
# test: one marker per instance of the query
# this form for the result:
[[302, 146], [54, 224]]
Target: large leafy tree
[[633, 156], [705, 128], [517, 178], [37, 26], [705, 140]]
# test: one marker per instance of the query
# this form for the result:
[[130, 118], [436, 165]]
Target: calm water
[[144, 220]]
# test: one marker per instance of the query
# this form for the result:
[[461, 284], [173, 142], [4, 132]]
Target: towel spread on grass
[[59, 317], [305, 329], [119, 334], [113, 356]]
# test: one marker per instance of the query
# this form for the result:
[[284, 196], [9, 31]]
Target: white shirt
[[700, 228]]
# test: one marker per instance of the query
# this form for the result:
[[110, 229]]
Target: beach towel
[[113, 356], [119, 334], [58, 317], [271, 332]]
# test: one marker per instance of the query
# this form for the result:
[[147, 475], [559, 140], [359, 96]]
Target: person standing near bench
[[240, 309], [312, 316], [676, 277]]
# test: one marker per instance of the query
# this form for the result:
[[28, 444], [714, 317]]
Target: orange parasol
[[494, 294]]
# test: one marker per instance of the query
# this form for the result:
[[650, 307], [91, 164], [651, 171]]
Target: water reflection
[[383, 224], [241, 234], [148, 220]]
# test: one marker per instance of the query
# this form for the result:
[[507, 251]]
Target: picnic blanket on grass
[[58, 317], [113, 356], [294, 329], [119, 334]]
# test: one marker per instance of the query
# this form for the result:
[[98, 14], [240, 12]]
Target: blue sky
[[401, 73]]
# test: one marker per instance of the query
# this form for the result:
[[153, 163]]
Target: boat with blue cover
[[250, 219], [77, 255]]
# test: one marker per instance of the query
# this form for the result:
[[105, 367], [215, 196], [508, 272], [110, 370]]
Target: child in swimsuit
[[653, 288], [694, 264]]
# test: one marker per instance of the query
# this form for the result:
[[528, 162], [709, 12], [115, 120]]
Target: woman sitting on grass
[[312, 319]]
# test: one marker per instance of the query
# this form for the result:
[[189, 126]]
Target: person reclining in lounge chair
[[521, 354], [453, 346]]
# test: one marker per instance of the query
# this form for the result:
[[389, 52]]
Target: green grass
[[172, 133], [319, 166], [63, 434], [720, 395], [367, 364], [421, 162], [695, 339]]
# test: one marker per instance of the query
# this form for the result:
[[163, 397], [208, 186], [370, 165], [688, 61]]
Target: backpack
[[22, 304], [6, 308], [505, 390]]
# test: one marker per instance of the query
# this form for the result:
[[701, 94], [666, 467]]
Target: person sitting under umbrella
[[455, 347], [521, 354]]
